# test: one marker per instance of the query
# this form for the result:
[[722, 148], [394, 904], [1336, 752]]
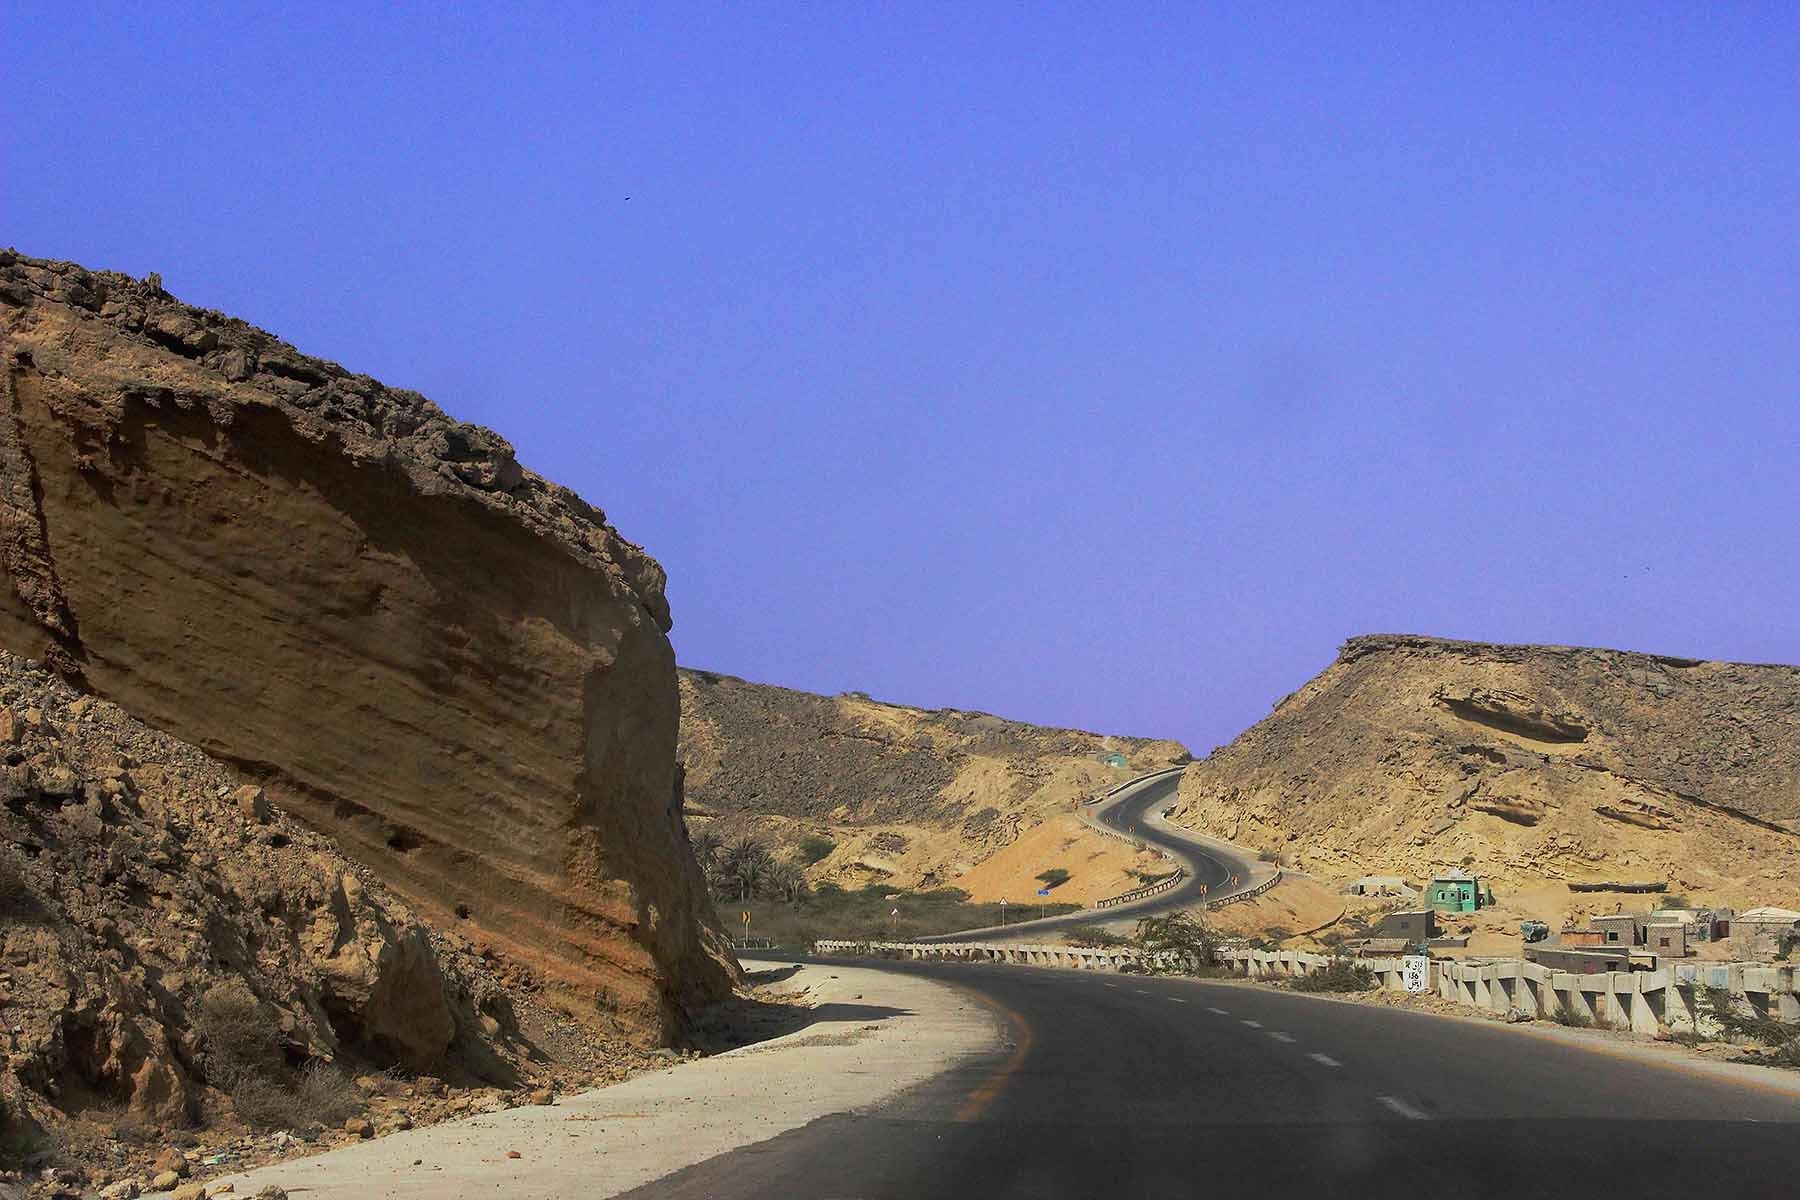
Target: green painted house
[[1456, 891]]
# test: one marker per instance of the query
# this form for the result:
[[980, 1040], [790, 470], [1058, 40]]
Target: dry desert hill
[[915, 798], [1533, 766]]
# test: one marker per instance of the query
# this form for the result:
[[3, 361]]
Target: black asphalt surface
[[1119, 1086], [1208, 868]]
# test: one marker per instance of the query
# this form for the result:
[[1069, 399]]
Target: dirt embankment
[[1534, 766], [906, 796], [457, 669]]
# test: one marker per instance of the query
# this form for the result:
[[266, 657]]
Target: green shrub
[[1734, 1022], [1339, 975], [1054, 877], [1269, 856], [1178, 933]]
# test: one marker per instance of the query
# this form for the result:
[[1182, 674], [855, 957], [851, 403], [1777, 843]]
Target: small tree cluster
[[745, 869]]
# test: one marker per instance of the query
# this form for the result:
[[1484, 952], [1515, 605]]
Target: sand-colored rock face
[[455, 667], [909, 796], [1526, 762]]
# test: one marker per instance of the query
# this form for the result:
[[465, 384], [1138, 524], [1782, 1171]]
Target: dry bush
[[244, 1058], [1339, 975], [322, 1095], [241, 1041], [327, 1095]]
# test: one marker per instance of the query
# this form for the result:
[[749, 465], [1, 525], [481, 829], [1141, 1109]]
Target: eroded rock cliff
[[175, 951], [456, 668], [1409, 754]]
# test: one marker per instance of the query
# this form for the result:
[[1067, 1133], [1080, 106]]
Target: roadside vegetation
[[1182, 934], [1095, 937], [745, 876], [1341, 974], [1741, 1023], [243, 1057]]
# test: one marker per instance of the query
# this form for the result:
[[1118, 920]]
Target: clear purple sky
[[1082, 365]]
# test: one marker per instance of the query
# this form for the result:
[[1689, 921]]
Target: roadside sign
[[746, 918], [1415, 972], [1043, 891]]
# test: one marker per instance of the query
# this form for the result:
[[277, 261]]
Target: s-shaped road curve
[[1135, 810]]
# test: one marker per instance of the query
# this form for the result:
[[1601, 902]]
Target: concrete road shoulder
[[876, 1035]]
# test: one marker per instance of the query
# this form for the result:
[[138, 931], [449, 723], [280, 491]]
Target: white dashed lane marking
[[1403, 1108], [1281, 1037], [1253, 1024], [1325, 1060], [1178, 999], [1223, 1012]]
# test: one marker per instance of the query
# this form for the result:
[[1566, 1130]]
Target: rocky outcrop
[[1528, 762], [456, 668], [908, 796], [140, 880]]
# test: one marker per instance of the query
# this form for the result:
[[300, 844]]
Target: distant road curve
[[1136, 810]]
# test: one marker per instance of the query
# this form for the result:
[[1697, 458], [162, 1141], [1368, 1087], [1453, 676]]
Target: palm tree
[[707, 844], [751, 873], [744, 849], [787, 881]]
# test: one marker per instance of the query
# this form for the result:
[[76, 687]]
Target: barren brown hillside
[[909, 796], [1527, 763]]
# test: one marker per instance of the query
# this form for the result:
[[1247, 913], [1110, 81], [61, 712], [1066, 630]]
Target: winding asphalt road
[[1121, 1086], [1209, 866]]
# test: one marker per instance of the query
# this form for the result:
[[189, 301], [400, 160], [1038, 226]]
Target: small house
[[1761, 931], [1415, 925], [1621, 929], [1703, 924], [1666, 939], [1455, 891], [1580, 960]]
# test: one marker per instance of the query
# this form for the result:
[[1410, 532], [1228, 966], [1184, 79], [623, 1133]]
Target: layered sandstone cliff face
[[1525, 762], [907, 796], [456, 668]]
